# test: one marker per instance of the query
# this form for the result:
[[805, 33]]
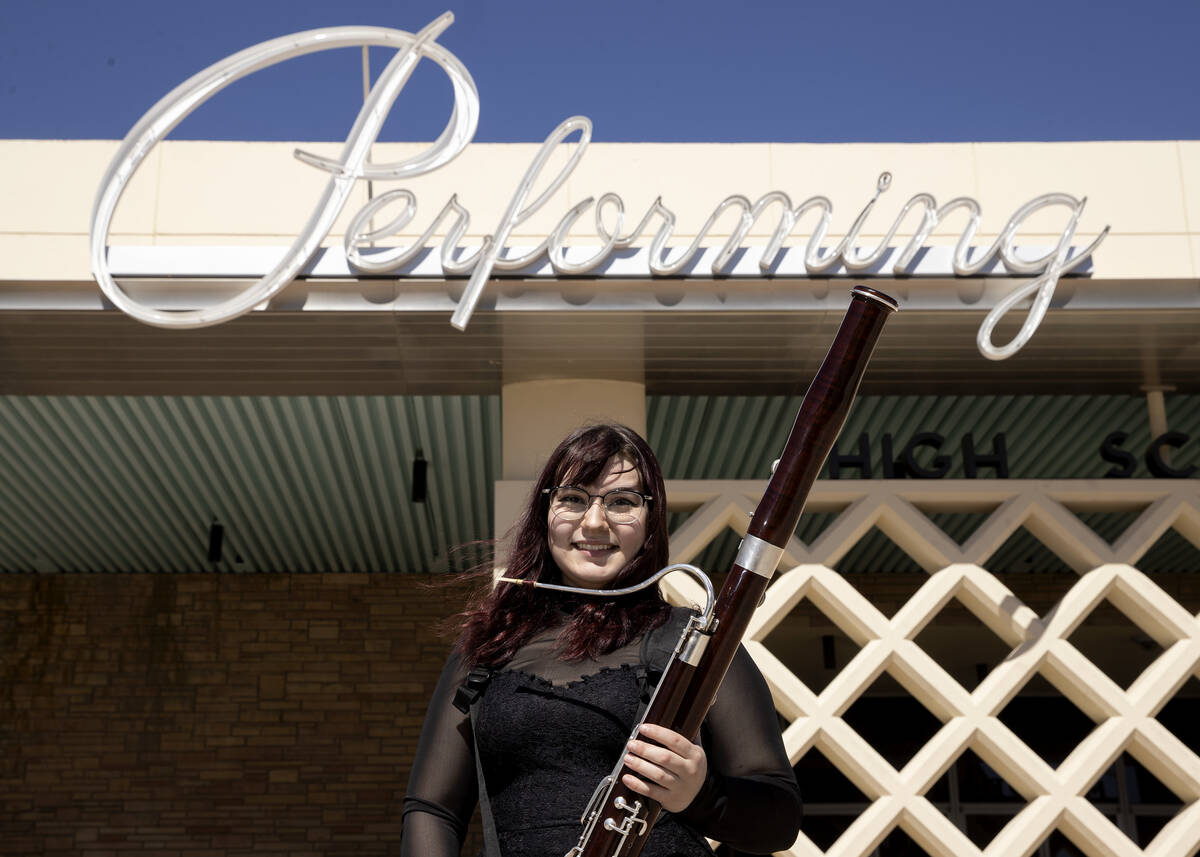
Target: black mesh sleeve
[[442, 789], [750, 800]]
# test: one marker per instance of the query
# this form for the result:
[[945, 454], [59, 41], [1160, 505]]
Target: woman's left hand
[[672, 773]]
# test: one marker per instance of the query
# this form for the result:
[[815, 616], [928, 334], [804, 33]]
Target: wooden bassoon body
[[617, 819]]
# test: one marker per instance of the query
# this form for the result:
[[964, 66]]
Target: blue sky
[[923, 70]]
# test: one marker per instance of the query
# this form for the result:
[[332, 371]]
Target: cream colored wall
[[224, 193]]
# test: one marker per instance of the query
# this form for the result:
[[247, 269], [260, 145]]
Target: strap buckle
[[471, 689]]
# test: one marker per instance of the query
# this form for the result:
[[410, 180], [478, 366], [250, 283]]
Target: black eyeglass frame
[[649, 498]]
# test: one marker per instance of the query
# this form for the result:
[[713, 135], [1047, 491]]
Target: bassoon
[[617, 819]]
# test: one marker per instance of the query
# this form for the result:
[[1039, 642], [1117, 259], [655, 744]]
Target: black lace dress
[[549, 731]]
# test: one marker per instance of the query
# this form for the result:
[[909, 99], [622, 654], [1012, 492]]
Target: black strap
[[491, 842], [466, 700]]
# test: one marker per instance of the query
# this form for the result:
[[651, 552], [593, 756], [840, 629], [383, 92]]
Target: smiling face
[[591, 551]]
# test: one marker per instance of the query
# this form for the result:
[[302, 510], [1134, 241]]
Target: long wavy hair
[[505, 617]]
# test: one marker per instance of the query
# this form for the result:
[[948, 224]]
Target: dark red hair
[[508, 616]]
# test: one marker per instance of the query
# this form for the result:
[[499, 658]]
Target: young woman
[[561, 678]]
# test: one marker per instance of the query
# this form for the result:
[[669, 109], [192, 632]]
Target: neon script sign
[[608, 211]]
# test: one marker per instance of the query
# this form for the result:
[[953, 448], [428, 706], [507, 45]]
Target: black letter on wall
[[892, 469], [862, 461], [998, 460], [1154, 460], [941, 463], [1110, 450]]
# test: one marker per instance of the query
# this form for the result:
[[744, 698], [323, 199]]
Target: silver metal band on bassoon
[[758, 556], [692, 647]]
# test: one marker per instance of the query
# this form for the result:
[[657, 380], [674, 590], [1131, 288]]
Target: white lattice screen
[[1056, 797]]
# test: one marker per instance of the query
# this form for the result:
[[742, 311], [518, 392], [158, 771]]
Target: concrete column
[[1156, 407], [1154, 388], [536, 415]]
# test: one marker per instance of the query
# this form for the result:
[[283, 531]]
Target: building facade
[[984, 637]]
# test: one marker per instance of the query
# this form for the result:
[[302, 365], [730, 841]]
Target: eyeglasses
[[622, 506]]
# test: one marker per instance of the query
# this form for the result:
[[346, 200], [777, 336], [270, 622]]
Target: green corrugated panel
[[1048, 437], [298, 483], [323, 483]]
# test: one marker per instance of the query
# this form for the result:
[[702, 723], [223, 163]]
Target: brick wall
[[223, 715], [212, 715]]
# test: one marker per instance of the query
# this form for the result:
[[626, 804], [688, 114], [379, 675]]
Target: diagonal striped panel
[[297, 483], [307, 483], [1048, 437]]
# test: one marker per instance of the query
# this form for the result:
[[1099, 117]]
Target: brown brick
[[210, 717], [323, 630]]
